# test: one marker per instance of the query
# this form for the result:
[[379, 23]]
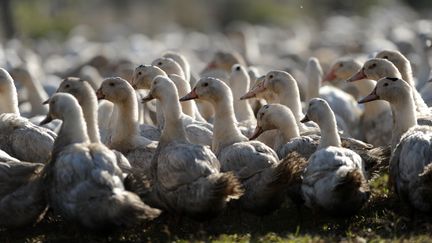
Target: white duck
[[86, 97], [375, 122], [262, 175], [343, 104], [18, 136], [239, 83], [410, 164], [334, 179], [125, 136], [22, 193], [186, 177], [377, 68], [84, 181]]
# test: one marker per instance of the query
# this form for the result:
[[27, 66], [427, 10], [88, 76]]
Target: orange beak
[[330, 76], [357, 76], [192, 95], [371, 97]]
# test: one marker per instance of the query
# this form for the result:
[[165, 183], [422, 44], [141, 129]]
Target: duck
[[198, 132], [22, 193], [343, 104], [186, 177], [374, 124], [239, 83], [83, 179], [410, 167], [19, 137], [84, 93], [257, 166], [125, 136], [334, 179], [376, 68]]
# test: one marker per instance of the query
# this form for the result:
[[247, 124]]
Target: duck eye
[[373, 65], [271, 76], [266, 107], [159, 64], [205, 84], [237, 68], [139, 73], [385, 84], [340, 64], [385, 57], [67, 86], [111, 84]]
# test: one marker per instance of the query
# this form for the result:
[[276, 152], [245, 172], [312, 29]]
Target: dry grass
[[383, 219]]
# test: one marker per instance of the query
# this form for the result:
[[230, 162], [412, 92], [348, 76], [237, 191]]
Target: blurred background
[[274, 33]]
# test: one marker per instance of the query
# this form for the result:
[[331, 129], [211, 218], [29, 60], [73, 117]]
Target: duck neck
[[173, 128], [329, 132], [73, 130], [126, 126], [313, 86], [9, 100], [404, 117], [242, 108], [89, 107], [290, 97], [225, 130], [286, 124]]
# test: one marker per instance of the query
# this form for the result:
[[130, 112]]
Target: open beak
[[305, 119], [330, 76], [147, 98], [100, 95], [257, 132], [358, 76], [47, 119], [371, 97], [192, 95], [46, 102]]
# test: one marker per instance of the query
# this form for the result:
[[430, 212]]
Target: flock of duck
[[116, 151]]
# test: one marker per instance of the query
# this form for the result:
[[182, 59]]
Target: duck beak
[[46, 102], [330, 76], [47, 119], [254, 91], [357, 76], [257, 132], [99, 94], [305, 119], [147, 98], [371, 97], [192, 95]]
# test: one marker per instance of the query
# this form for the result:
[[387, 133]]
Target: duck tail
[[207, 197], [352, 180], [265, 191], [121, 209]]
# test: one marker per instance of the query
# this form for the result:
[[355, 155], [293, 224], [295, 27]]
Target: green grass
[[383, 219]]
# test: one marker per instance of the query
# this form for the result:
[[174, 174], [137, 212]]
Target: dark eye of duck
[[266, 107], [385, 57], [67, 86], [111, 84], [340, 64], [271, 76], [139, 73], [237, 68], [159, 64], [373, 65], [385, 84], [205, 84]]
